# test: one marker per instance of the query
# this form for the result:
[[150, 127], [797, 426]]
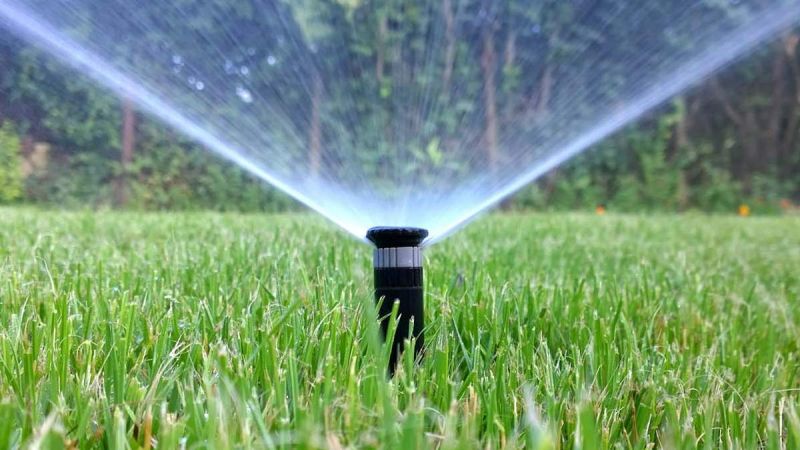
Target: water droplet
[[244, 94], [244, 70], [271, 60], [200, 85], [177, 60]]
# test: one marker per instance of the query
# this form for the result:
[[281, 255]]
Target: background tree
[[358, 76]]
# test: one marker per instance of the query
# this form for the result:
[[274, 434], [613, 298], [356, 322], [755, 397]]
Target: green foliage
[[643, 169], [10, 164], [180, 178], [699, 152], [721, 193], [578, 190], [82, 181], [171, 173]]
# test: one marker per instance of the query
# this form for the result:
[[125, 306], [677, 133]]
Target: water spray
[[416, 159], [397, 264]]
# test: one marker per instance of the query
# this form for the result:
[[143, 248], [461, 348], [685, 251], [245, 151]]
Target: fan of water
[[397, 112]]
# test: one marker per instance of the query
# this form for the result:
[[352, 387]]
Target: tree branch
[[722, 98]]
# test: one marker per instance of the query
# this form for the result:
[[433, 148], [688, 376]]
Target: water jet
[[397, 264]]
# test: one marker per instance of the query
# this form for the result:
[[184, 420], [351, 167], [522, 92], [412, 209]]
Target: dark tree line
[[732, 139]]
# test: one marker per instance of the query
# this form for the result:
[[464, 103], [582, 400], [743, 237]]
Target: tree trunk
[[510, 54], [450, 48], [27, 145], [545, 89], [539, 103], [740, 167], [680, 142], [508, 112], [380, 61], [786, 169], [682, 127], [488, 64], [26, 150], [121, 187], [722, 97], [315, 129], [679, 136], [776, 112]]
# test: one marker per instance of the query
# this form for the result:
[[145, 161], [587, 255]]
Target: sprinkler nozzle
[[397, 263]]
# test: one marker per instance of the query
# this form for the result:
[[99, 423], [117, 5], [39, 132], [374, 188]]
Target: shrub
[[10, 165]]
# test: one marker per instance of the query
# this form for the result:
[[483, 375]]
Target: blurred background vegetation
[[730, 141]]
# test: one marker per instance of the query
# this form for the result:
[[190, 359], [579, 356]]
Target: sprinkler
[[398, 279]]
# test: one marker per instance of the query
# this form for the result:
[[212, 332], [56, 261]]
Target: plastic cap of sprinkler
[[391, 237]]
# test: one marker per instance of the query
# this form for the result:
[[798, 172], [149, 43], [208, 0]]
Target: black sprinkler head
[[386, 237], [397, 262]]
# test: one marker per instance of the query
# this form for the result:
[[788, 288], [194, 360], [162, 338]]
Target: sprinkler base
[[399, 279]]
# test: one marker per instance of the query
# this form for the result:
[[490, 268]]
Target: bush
[[10, 165], [720, 193], [83, 180], [171, 173]]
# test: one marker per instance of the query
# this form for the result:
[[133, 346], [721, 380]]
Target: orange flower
[[786, 204], [600, 210], [744, 210]]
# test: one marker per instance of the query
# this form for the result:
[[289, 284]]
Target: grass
[[123, 330]]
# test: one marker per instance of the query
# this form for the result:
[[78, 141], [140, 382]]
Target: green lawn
[[545, 331]]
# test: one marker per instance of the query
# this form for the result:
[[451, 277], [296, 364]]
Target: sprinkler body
[[397, 263]]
